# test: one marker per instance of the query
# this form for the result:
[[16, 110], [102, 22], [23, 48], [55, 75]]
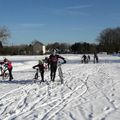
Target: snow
[[90, 91]]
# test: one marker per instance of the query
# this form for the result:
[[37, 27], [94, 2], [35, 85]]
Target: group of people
[[51, 61], [52, 65], [7, 67], [86, 58]]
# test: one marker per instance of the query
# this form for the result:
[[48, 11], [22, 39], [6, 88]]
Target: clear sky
[[58, 20]]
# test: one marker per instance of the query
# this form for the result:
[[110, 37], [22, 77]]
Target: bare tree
[[109, 40], [4, 34]]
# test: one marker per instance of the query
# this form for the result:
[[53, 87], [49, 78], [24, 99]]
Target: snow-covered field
[[90, 91]]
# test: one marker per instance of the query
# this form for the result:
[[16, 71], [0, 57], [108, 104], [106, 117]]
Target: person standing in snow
[[88, 58], [9, 67], [95, 58], [53, 59], [46, 61], [84, 59], [41, 68]]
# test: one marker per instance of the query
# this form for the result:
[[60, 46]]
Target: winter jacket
[[8, 64], [53, 59], [40, 66]]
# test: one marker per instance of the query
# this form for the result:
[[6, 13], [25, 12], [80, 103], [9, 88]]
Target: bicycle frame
[[60, 72], [4, 72], [36, 73]]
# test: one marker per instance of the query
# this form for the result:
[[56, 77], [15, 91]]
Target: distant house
[[38, 48]]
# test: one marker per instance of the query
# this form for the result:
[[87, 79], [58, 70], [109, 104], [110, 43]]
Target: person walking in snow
[[84, 59], [46, 61], [53, 59], [95, 58], [41, 68], [8, 66], [88, 57]]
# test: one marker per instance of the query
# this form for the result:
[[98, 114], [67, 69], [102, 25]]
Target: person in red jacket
[[53, 59], [9, 68], [41, 68]]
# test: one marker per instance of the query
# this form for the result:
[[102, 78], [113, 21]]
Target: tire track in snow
[[84, 81], [106, 78], [53, 111], [71, 92], [59, 105], [21, 103], [20, 87], [22, 106]]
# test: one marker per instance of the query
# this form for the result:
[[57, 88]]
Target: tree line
[[107, 41]]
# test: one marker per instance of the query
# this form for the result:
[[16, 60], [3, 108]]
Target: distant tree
[[4, 35], [82, 47], [109, 40], [86, 47], [56, 45], [64, 46], [60, 47], [76, 48], [30, 47], [1, 46]]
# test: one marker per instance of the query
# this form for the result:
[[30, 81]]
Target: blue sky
[[52, 21]]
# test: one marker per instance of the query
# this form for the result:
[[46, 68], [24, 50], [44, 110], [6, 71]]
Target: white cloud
[[78, 7], [32, 25], [25, 27], [73, 10]]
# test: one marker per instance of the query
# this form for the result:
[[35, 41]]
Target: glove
[[64, 61], [33, 67]]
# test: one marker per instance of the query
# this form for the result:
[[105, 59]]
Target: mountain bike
[[60, 72], [36, 73], [4, 72]]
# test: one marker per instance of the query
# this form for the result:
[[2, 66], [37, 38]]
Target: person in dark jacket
[[95, 58], [84, 59], [53, 59], [41, 68]]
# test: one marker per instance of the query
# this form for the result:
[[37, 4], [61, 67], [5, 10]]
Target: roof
[[37, 42]]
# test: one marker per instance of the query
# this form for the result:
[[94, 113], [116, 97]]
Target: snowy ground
[[90, 91]]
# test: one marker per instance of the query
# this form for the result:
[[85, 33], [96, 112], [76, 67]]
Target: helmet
[[40, 62], [5, 60], [54, 52]]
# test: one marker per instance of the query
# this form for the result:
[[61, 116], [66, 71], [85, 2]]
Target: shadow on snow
[[17, 81]]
